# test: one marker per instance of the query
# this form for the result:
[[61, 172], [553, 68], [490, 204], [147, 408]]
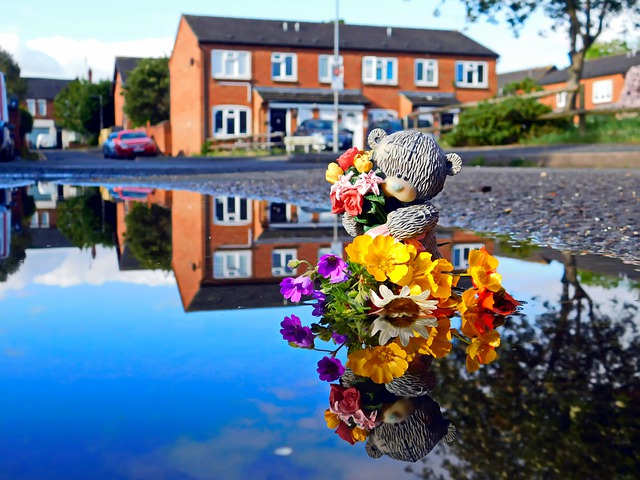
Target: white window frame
[[221, 59], [326, 63], [41, 107], [44, 220], [428, 64], [281, 58], [230, 112], [372, 65], [31, 106], [462, 250], [471, 67], [283, 253], [561, 99], [602, 91], [35, 220], [228, 217], [231, 271]]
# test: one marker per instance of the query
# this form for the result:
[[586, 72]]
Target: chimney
[[285, 26], [90, 75], [389, 31], [296, 27]]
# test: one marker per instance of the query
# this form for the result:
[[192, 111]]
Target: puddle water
[[140, 338]]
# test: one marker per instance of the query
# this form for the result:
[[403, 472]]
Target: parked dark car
[[322, 131], [129, 144], [388, 125]]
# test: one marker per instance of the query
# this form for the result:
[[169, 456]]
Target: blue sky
[[62, 38]]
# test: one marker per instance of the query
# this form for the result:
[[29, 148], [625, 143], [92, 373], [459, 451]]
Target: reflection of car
[[138, 194], [44, 140], [132, 143], [109, 147], [322, 131], [388, 125]]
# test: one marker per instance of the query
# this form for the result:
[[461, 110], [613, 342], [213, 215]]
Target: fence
[[262, 141]]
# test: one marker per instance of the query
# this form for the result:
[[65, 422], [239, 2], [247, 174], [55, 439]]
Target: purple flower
[[339, 339], [333, 267], [330, 369], [293, 331], [318, 308], [294, 288]]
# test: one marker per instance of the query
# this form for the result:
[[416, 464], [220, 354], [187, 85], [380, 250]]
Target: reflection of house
[[458, 244], [232, 77], [41, 93], [123, 67], [44, 222]]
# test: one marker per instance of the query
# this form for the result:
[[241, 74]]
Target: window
[[326, 64], [231, 211], [232, 264], [284, 67], [231, 121], [231, 64], [379, 70], [471, 74], [279, 260], [602, 91], [460, 253], [44, 220], [426, 73], [35, 221], [561, 100], [31, 106], [42, 107]]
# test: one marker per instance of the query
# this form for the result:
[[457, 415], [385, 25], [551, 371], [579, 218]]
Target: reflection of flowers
[[344, 401], [482, 350], [293, 331], [382, 363], [330, 369], [482, 268]]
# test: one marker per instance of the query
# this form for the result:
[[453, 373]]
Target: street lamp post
[[335, 73]]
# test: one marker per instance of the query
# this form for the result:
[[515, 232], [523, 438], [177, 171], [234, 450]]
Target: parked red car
[[130, 144]]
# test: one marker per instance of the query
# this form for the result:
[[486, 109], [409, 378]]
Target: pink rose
[[353, 202], [337, 204], [346, 159], [344, 401]]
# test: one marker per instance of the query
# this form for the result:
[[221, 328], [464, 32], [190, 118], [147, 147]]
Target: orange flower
[[482, 268], [499, 302], [382, 364], [482, 350], [437, 344]]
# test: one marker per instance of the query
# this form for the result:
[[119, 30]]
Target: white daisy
[[401, 315]]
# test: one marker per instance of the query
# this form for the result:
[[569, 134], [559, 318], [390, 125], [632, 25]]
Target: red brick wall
[[118, 102], [618, 84], [161, 134]]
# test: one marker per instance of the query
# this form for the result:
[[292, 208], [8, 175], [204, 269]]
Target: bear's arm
[[411, 221], [352, 227]]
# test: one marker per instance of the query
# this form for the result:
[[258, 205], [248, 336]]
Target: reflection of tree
[[20, 237], [149, 235], [80, 219], [561, 402]]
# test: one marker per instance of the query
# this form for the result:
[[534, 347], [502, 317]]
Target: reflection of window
[[232, 264], [42, 107], [284, 66], [325, 67], [279, 260], [426, 72], [561, 100], [380, 70], [231, 210], [471, 74], [231, 64], [34, 221], [31, 106], [44, 219], [231, 121], [602, 91], [460, 253]]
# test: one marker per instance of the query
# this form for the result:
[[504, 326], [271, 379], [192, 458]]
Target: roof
[[45, 88], [431, 99], [236, 295], [535, 73], [124, 65], [286, 33], [598, 67], [310, 95]]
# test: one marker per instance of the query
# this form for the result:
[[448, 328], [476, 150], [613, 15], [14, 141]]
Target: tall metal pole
[[100, 97], [336, 64]]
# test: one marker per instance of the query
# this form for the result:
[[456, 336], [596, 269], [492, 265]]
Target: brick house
[[232, 77], [123, 67], [41, 92], [535, 73], [603, 81]]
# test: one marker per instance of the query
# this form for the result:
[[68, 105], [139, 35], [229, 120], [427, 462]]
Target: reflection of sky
[[104, 376]]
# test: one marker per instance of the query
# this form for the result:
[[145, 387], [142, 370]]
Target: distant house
[[41, 93], [602, 78], [535, 73], [123, 67], [233, 77]]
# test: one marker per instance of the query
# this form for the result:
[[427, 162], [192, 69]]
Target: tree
[[584, 20], [526, 85], [81, 220], [606, 49], [146, 92], [149, 235], [16, 86], [77, 106]]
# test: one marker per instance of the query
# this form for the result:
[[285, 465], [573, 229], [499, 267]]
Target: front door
[[278, 121]]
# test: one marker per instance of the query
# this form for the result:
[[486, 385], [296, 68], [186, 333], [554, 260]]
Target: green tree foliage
[[16, 86], [584, 20], [149, 235], [606, 49], [500, 123], [146, 92], [80, 219], [26, 121], [78, 106], [526, 85]]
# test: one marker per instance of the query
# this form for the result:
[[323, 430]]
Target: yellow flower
[[482, 268], [359, 248], [382, 364], [434, 279], [482, 350], [359, 434], [386, 258], [331, 418], [437, 344], [469, 301], [333, 173], [363, 162]]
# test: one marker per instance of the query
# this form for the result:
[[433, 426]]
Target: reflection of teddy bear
[[415, 169]]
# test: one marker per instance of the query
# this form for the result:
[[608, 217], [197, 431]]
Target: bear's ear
[[375, 136], [455, 163]]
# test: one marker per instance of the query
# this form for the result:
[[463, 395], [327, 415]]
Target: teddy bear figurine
[[415, 168]]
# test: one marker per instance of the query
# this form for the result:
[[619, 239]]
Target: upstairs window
[[31, 106], [284, 67], [326, 64], [382, 71], [471, 74], [231, 211], [561, 100], [231, 64], [42, 107], [426, 73], [231, 121], [232, 264], [602, 91]]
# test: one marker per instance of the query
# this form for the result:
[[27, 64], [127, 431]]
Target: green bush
[[502, 123]]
